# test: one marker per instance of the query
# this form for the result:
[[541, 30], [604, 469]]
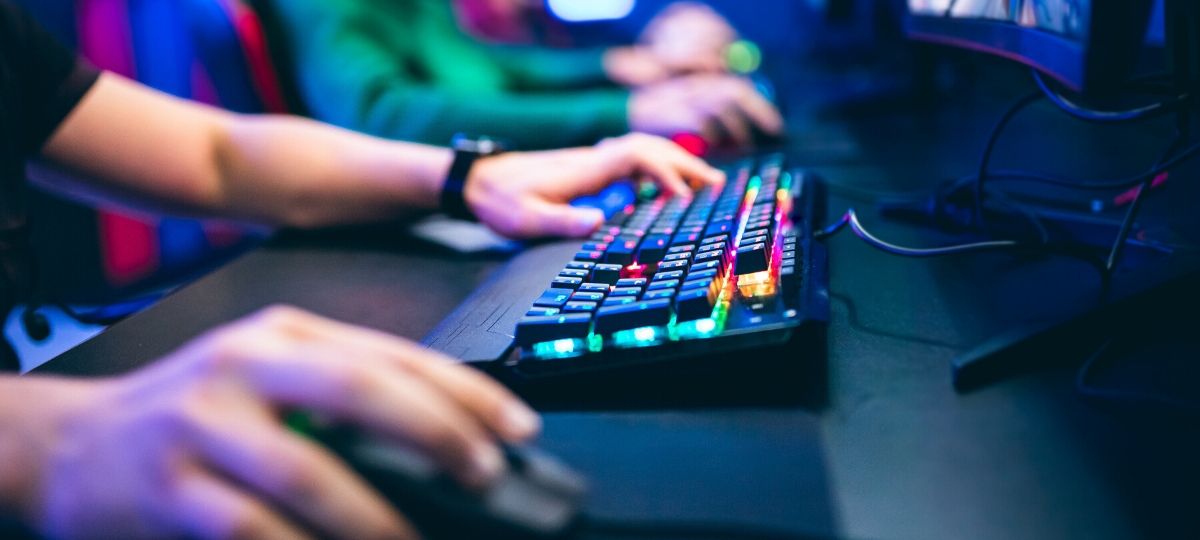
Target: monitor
[[1090, 46]]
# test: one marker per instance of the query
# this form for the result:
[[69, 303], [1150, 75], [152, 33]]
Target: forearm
[[12, 451], [296, 172], [543, 69], [145, 149], [32, 410]]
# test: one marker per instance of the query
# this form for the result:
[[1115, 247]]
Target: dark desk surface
[[896, 453]]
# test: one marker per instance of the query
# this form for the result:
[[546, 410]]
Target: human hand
[[195, 445], [720, 108], [526, 195], [688, 37]]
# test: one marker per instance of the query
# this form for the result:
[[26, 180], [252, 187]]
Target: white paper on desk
[[462, 236]]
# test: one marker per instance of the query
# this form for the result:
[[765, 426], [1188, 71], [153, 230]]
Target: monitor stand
[[1155, 297], [1034, 345]]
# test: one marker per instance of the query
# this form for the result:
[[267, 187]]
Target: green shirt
[[402, 69]]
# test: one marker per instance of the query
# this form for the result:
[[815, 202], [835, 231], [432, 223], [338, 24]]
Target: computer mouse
[[537, 498], [611, 199]]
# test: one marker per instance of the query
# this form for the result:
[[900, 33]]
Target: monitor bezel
[[1088, 65]]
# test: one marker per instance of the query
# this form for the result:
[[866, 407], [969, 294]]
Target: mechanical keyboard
[[676, 278]]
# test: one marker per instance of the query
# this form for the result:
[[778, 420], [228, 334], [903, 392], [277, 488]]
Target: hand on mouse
[[526, 195], [195, 446], [685, 39], [689, 37], [720, 108]]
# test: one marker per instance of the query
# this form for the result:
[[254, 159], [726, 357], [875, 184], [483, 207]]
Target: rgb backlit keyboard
[[669, 276]]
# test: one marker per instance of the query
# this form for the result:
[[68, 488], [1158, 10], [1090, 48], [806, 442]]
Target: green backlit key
[[636, 315], [532, 330]]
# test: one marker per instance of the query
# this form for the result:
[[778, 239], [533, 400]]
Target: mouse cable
[[850, 219], [607, 527], [985, 158]]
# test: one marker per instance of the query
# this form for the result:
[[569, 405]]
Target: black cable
[[1018, 175], [1034, 219], [1091, 115], [1068, 106], [950, 9], [986, 157], [691, 530], [1135, 207], [850, 219], [1108, 184]]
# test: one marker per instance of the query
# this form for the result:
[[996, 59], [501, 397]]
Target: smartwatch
[[466, 152]]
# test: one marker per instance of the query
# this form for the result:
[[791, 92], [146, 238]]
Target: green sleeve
[[350, 73], [530, 121], [537, 68]]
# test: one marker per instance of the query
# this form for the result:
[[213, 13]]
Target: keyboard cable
[[850, 220]]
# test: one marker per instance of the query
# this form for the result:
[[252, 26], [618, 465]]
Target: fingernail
[[590, 220], [520, 422], [487, 464]]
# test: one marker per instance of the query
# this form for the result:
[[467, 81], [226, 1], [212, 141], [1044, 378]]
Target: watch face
[[483, 145]]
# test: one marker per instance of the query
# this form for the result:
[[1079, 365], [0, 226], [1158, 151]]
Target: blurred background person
[[409, 69]]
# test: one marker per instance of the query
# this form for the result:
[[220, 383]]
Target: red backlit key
[[606, 273]]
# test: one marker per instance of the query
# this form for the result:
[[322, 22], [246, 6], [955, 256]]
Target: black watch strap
[[466, 152]]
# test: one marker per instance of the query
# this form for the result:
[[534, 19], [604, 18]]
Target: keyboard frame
[[776, 339]]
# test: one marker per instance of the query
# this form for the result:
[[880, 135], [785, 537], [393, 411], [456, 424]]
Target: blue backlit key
[[587, 297], [653, 248], [580, 307], [554, 298], [666, 276], [663, 284], [706, 265], [659, 294], [631, 282], [574, 273], [704, 283], [619, 300], [620, 252], [673, 265], [566, 283]]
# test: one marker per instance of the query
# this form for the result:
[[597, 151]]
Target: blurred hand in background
[[686, 38], [720, 108]]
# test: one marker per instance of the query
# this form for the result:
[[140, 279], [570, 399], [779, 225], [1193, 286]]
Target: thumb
[[563, 220]]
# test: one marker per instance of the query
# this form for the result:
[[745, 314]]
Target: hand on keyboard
[[527, 195]]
